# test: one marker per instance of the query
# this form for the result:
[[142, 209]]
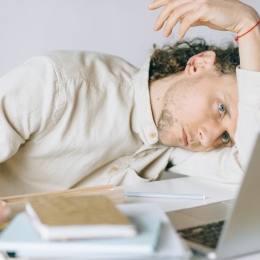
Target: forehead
[[222, 88], [225, 87], [226, 84]]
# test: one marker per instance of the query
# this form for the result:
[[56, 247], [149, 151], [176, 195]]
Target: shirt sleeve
[[29, 102], [228, 164], [249, 113]]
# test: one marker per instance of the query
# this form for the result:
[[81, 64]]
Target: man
[[65, 116]]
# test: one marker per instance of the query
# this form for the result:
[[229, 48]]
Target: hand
[[231, 15], [5, 212]]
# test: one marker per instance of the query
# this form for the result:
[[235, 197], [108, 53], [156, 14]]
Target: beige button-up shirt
[[72, 119]]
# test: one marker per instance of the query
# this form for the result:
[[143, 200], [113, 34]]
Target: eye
[[225, 137], [221, 108]]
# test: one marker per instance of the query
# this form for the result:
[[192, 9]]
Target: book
[[17, 203], [69, 192], [21, 239], [78, 217]]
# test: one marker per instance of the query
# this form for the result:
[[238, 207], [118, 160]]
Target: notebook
[[156, 239], [240, 218], [21, 237], [78, 217]]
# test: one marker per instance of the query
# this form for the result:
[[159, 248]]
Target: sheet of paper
[[213, 191]]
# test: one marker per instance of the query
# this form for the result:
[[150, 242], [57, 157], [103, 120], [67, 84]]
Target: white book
[[21, 238], [156, 239]]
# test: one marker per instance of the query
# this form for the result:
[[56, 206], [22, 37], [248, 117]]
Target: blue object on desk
[[21, 237]]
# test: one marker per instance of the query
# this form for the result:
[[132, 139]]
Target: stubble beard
[[165, 123]]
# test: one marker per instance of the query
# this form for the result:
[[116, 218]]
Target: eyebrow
[[228, 111], [232, 140]]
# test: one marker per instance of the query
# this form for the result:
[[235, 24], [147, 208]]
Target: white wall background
[[120, 27]]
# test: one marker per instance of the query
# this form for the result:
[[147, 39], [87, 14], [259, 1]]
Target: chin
[[203, 149], [195, 149]]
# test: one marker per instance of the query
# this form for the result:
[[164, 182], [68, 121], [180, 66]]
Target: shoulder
[[84, 64]]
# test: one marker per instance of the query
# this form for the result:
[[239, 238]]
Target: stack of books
[[90, 227]]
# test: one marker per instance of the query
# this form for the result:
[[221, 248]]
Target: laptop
[[226, 229]]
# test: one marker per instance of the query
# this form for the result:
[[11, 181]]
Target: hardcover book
[[79, 217], [21, 239]]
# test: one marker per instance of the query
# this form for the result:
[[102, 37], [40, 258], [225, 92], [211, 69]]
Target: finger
[[5, 212], [177, 15], [162, 17], [166, 12], [157, 4], [191, 19]]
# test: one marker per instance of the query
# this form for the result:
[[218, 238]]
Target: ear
[[200, 62]]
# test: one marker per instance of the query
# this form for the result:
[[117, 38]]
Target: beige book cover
[[78, 217]]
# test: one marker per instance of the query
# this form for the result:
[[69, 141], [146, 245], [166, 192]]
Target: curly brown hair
[[173, 58]]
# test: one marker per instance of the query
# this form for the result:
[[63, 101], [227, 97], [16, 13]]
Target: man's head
[[195, 108]]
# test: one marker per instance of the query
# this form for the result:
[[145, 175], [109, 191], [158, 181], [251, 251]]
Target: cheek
[[189, 107], [193, 111]]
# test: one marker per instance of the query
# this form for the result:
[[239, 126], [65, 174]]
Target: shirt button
[[152, 135], [114, 169]]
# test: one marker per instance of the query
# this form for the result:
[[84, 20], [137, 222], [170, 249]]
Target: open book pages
[[78, 217]]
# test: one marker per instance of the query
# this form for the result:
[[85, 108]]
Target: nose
[[210, 133]]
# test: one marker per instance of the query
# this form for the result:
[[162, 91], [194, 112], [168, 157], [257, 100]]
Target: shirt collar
[[143, 122]]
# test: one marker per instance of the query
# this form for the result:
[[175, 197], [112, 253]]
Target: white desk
[[214, 192]]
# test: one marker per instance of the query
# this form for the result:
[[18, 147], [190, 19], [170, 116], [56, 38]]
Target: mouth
[[184, 138]]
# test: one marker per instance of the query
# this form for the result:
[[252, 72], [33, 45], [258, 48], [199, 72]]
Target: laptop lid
[[241, 231], [240, 234]]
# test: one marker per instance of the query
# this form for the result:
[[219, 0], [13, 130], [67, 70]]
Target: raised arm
[[230, 164], [232, 15]]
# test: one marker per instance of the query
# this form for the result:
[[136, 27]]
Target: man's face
[[199, 113]]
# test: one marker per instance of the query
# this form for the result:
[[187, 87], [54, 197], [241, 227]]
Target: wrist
[[248, 31], [248, 22], [249, 49]]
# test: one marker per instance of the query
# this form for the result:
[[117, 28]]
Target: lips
[[184, 138]]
